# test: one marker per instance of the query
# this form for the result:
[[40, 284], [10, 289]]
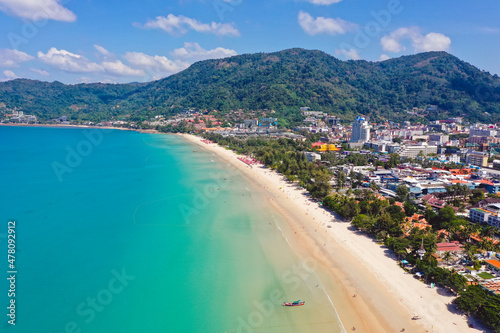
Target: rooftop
[[493, 262]]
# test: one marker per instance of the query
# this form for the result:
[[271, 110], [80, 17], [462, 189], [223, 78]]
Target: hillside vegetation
[[283, 81]]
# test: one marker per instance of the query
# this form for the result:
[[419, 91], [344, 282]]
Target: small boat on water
[[296, 303]]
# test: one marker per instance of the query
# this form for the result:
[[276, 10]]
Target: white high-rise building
[[360, 130]]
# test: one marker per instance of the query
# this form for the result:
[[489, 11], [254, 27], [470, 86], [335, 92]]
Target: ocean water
[[118, 231]]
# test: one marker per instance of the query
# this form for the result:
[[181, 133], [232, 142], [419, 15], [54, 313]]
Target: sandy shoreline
[[351, 263]]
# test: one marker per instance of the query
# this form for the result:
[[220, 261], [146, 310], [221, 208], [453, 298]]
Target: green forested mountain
[[283, 81]]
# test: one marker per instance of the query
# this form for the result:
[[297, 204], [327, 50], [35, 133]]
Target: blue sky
[[75, 41]]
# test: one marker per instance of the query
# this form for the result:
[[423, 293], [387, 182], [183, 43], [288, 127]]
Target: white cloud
[[350, 54], [9, 75], [179, 25], [194, 52], [118, 68], [432, 41], [138, 64], [40, 71], [384, 57], [37, 10], [102, 50], [12, 58], [323, 2], [391, 42], [489, 30], [156, 66], [160, 66], [324, 25], [69, 62]]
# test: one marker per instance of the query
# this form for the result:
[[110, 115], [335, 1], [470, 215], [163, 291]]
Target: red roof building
[[450, 247]]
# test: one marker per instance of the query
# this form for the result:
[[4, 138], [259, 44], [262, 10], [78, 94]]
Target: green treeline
[[285, 156]]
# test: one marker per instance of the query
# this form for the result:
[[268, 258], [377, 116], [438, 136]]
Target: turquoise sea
[[118, 231]]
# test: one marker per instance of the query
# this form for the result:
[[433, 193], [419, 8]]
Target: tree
[[341, 179], [470, 251], [445, 216], [471, 300], [488, 231], [386, 223], [487, 245], [398, 245], [476, 264], [396, 213], [376, 207], [350, 209], [478, 302], [463, 190], [403, 193], [394, 160], [329, 202], [321, 187], [431, 216], [374, 186], [363, 222], [366, 194], [268, 159], [410, 208], [447, 257]]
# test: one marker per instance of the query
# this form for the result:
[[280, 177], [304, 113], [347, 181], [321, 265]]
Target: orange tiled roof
[[458, 181], [422, 226], [443, 231], [494, 263], [416, 217]]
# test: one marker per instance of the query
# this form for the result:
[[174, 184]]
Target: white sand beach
[[351, 263]]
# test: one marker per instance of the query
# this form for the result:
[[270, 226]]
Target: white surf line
[[319, 279], [246, 188], [283, 234]]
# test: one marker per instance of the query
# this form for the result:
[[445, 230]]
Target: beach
[[371, 293]]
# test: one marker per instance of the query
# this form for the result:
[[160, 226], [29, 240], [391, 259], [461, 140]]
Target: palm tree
[[476, 264], [449, 190], [465, 232], [487, 245], [475, 228], [488, 231], [464, 190], [447, 257], [470, 250]]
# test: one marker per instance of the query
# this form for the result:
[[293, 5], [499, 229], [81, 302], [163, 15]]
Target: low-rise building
[[477, 158], [412, 151], [313, 157]]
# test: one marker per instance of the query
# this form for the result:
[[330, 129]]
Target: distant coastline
[[67, 126]]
